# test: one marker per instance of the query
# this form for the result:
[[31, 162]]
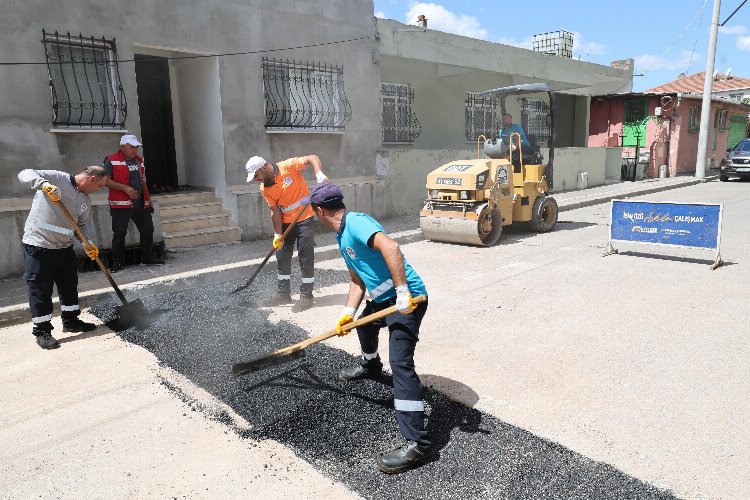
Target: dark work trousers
[[303, 233], [407, 388], [44, 268], [142, 219]]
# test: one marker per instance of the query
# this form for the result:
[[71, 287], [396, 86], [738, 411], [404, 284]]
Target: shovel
[[130, 313], [277, 356], [268, 256]]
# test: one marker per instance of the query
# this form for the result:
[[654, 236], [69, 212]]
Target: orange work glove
[[52, 191], [347, 316], [91, 251]]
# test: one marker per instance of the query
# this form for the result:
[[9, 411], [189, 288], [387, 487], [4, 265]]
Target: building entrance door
[[157, 129]]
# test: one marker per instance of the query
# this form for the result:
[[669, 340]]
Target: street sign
[[691, 225]]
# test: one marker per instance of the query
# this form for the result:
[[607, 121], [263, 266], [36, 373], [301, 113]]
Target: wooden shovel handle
[[286, 351], [86, 242]]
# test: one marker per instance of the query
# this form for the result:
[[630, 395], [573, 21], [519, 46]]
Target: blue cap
[[324, 195]]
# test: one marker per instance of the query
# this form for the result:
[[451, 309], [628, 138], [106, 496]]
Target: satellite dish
[[729, 71]]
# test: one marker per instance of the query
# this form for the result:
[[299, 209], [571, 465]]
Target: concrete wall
[[365, 194], [236, 94], [13, 214], [570, 161], [613, 163]]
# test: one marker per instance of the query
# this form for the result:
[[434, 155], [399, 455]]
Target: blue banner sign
[[684, 224]]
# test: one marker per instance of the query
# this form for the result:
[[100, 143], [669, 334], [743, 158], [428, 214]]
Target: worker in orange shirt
[[282, 185]]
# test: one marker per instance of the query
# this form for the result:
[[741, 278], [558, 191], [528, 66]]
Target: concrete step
[[200, 237], [184, 198], [205, 208], [192, 222]]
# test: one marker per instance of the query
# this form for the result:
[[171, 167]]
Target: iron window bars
[[84, 81], [481, 118], [398, 122], [304, 96], [535, 117]]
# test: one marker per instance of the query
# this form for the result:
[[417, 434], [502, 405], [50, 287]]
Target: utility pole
[[700, 161]]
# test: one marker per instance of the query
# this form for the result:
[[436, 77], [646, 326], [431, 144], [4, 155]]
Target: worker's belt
[[55, 229], [290, 207], [381, 289]]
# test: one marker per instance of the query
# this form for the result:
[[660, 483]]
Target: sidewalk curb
[[609, 197]]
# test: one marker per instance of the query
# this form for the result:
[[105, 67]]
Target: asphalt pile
[[342, 427]]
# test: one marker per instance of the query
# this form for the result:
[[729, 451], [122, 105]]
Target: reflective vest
[[121, 174]]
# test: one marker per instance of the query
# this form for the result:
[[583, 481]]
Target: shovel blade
[[131, 314]]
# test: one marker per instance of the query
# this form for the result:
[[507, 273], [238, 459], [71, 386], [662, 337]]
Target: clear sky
[[665, 37]]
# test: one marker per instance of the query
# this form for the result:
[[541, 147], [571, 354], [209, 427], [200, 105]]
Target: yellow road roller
[[469, 201]]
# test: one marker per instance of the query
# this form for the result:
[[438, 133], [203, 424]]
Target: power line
[[198, 56]]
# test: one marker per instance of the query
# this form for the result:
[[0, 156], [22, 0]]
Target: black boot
[[409, 456], [358, 372], [44, 338], [75, 325], [278, 299], [304, 303]]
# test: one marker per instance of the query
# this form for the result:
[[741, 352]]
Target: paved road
[[550, 371]]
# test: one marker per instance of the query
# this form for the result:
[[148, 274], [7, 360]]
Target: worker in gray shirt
[[48, 253]]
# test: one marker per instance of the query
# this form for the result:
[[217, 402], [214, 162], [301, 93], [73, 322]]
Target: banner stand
[[690, 225]]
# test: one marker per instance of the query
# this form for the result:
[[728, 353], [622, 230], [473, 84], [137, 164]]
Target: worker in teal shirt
[[505, 132], [376, 265]]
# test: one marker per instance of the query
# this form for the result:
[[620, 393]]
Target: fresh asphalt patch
[[342, 427]]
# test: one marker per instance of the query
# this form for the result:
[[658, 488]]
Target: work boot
[[45, 340], [406, 457], [278, 300], [304, 303], [360, 372], [116, 267], [75, 325]]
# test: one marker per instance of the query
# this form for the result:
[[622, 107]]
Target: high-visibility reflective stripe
[[56, 229], [368, 356], [308, 280], [115, 162], [69, 308], [41, 319], [406, 405], [290, 207], [381, 289], [114, 202], [284, 277]]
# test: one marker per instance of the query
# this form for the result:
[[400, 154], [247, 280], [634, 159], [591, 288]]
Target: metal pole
[[700, 161]]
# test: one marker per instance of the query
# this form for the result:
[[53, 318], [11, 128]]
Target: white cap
[[129, 139], [253, 165]]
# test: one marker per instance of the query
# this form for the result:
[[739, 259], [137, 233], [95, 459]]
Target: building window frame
[[535, 115], [724, 119], [86, 92], [304, 96], [399, 124], [480, 116], [694, 119]]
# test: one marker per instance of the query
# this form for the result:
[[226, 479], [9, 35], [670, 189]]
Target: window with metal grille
[[304, 96], [480, 117], [635, 110], [84, 82], [399, 124], [724, 119], [535, 120]]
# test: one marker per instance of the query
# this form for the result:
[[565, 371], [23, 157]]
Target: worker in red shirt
[[283, 186]]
